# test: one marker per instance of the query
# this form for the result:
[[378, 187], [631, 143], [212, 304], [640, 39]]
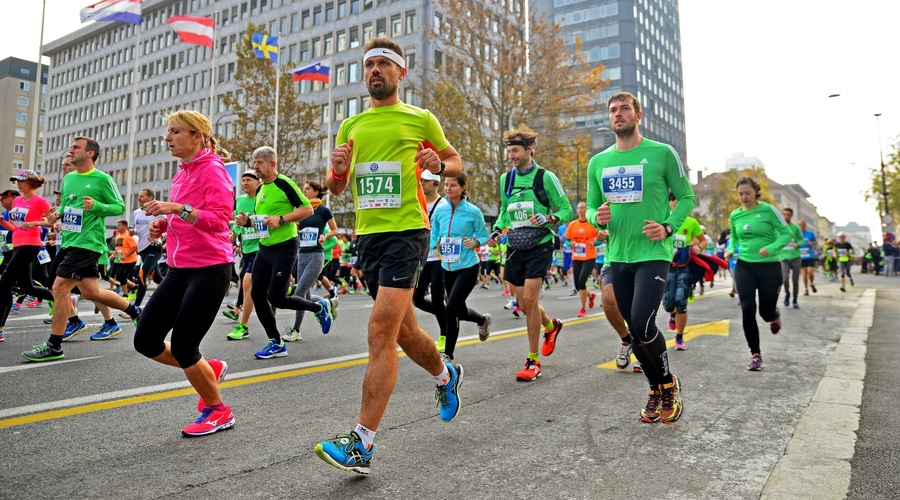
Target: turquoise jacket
[[449, 225]]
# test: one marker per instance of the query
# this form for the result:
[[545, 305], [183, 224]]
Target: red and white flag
[[197, 30]]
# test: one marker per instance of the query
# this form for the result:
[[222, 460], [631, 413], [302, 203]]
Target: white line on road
[[7, 369]]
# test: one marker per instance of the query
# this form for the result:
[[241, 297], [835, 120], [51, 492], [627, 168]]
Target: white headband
[[390, 54]]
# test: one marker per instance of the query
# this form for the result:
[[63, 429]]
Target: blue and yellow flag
[[265, 46]]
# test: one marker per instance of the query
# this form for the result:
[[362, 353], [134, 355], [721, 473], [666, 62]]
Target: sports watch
[[185, 211]]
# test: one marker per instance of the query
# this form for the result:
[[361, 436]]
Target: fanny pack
[[526, 238]]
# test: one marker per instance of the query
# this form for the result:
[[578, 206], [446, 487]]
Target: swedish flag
[[265, 46]]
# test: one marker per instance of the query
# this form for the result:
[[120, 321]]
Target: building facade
[[92, 89], [18, 90], [639, 43]]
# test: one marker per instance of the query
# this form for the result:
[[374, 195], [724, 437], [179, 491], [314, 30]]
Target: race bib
[[434, 253], [579, 250], [43, 256], [378, 185], [260, 229], [680, 240], [17, 216], [520, 214], [601, 250], [842, 252], [72, 218], [451, 248], [805, 253], [309, 237], [623, 184]]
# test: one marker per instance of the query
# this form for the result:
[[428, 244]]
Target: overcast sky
[[757, 75]]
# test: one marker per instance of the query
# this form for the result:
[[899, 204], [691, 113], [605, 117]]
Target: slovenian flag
[[317, 72], [198, 30], [125, 11]]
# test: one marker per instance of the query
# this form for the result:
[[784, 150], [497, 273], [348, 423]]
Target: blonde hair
[[198, 123]]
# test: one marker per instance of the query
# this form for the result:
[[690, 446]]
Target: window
[[339, 110], [340, 74], [396, 26], [354, 37], [353, 72], [329, 12], [21, 117], [381, 27], [23, 101], [17, 165], [354, 6], [19, 149], [410, 22], [352, 107], [342, 41]]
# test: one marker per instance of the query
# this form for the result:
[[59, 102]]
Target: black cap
[[9, 192]]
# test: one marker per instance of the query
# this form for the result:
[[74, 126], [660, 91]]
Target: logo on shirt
[[621, 170], [87, 185], [373, 167], [644, 161]]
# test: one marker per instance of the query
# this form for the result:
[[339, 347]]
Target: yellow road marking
[[719, 328]]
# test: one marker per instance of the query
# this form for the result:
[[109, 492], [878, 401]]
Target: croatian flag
[[198, 30], [317, 72], [125, 11]]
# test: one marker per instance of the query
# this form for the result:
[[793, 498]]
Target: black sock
[[110, 322], [74, 320], [132, 311], [55, 342]]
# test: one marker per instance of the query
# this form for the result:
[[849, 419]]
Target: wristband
[[338, 177], [281, 220]]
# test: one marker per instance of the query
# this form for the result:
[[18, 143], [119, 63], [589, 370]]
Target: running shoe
[[550, 338], [787, 299], [291, 288], [755, 363], [672, 325], [346, 452], [15, 307], [796, 305], [137, 317], [843, 289], [679, 344], [228, 313], [637, 367], [220, 369], [334, 307], [806, 293], [671, 408], [291, 334], [210, 421], [573, 293], [813, 288], [131, 296], [43, 352], [107, 331], [650, 411], [624, 357], [511, 304], [2, 335], [531, 371], [517, 312], [240, 332], [323, 315], [447, 395], [484, 286], [546, 285], [505, 293], [37, 303], [484, 330], [851, 284], [775, 326], [591, 298], [445, 358], [582, 313], [731, 294], [73, 329], [272, 350]]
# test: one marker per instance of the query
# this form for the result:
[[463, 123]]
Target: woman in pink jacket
[[200, 261]]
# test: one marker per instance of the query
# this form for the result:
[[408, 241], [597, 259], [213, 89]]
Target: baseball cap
[[428, 176], [8, 193], [25, 175], [250, 173]]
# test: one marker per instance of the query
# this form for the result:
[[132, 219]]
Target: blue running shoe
[[272, 350], [107, 332], [346, 452], [323, 316], [73, 329], [448, 395]]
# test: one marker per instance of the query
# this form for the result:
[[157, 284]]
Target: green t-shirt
[[760, 227], [523, 202], [689, 230], [328, 246], [87, 228], [247, 205], [791, 252], [637, 184], [384, 177], [279, 197]]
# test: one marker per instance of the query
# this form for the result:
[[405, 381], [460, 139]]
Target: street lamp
[[884, 192], [219, 118]]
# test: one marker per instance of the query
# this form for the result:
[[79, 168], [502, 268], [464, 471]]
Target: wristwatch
[[668, 228], [443, 166], [281, 220], [185, 211]]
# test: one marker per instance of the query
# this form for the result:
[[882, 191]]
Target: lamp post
[[884, 193], [218, 119]]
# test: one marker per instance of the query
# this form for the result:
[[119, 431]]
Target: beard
[[382, 92], [625, 131]]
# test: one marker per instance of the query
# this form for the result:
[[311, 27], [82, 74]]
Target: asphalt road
[[105, 423]]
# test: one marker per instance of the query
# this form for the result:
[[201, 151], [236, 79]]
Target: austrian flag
[[198, 30]]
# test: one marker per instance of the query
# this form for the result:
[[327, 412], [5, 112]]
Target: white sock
[[444, 377], [366, 435]]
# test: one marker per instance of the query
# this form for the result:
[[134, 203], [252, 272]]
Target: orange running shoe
[[531, 371], [550, 338]]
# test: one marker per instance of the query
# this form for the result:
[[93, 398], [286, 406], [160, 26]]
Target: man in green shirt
[[790, 259], [627, 193], [88, 197], [249, 240], [528, 215], [380, 155], [688, 241]]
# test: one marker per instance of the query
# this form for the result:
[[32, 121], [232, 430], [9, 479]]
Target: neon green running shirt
[[760, 227], [384, 177]]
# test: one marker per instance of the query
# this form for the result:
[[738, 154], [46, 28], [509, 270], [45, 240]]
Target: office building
[[18, 89]]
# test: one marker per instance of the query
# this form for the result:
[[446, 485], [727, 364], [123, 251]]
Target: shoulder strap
[[510, 182], [289, 192], [538, 187]]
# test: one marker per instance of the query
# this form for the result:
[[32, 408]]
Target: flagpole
[[277, 88], [36, 118], [329, 144], [212, 71], [132, 127]]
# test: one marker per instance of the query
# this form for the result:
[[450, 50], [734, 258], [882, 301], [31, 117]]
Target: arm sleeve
[[435, 228], [782, 233], [678, 182], [733, 238], [558, 198], [218, 196], [481, 231], [112, 204]]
